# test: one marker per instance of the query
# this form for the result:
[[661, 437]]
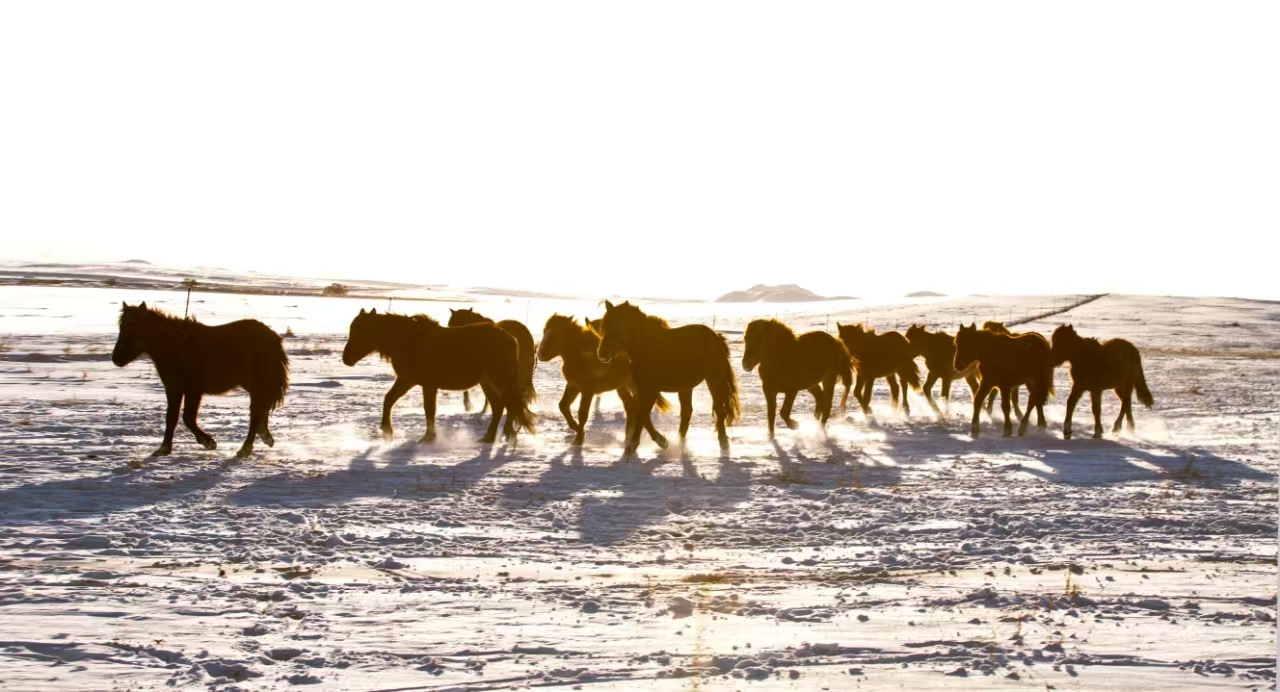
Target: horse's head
[[966, 346], [131, 343], [360, 338], [1063, 342], [916, 331], [994, 327], [617, 329], [755, 342], [554, 335], [854, 336], [463, 317]]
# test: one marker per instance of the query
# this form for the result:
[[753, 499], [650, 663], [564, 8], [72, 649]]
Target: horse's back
[[244, 353], [517, 329]]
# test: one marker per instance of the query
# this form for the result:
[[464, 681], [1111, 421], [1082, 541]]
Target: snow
[[893, 551]]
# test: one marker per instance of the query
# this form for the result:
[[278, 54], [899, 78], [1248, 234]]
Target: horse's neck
[[649, 337], [399, 340], [578, 345], [168, 337], [783, 345]]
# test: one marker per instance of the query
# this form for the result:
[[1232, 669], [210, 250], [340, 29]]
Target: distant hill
[[782, 293], [926, 294], [135, 261]]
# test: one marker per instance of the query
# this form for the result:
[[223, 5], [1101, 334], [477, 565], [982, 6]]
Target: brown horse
[[585, 374], [425, 354], [1005, 362], [1098, 366], [939, 352], [466, 316], [999, 328], [195, 359], [886, 355], [670, 360], [788, 363]]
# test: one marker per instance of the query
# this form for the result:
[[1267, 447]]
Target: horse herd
[[639, 356]]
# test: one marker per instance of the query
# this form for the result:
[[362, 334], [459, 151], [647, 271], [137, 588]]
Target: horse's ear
[[373, 311], [451, 311], [607, 305], [123, 304], [143, 305], [361, 311]]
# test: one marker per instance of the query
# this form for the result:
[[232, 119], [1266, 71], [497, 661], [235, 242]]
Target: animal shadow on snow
[[363, 478], [835, 467], [632, 495], [1089, 462], [160, 481]]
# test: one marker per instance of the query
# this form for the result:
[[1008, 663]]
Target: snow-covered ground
[[894, 552]]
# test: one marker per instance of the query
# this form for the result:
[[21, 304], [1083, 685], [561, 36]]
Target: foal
[[1098, 366], [466, 316], [425, 354], [939, 351], [879, 355], [194, 359], [1004, 362], [788, 363], [670, 360], [585, 374]]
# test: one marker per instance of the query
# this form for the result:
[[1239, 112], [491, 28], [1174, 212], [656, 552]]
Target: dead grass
[[713, 578]]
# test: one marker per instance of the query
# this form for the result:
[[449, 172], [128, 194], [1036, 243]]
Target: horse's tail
[[1144, 394], [528, 358], [273, 372], [662, 405], [909, 373], [722, 382], [508, 383]]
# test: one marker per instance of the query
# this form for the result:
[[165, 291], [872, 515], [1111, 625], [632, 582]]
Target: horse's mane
[[773, 327], [565, 322], [155, 313], [654, 319]]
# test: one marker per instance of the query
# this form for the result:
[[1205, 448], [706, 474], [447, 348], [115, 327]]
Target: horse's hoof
[[488, 439], [1066, 434], [268, 439], [244, 452], [427, 439], [209, 443], [724, 444], [791, 424], [577, 440], [162, 451], [660, 441], [1097, 436]]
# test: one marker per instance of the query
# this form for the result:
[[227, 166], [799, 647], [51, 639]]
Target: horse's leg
[[191, 409], [771, 407], [686, 412], [984, 390], [991, 402], [1017, 410], [1124, 396], [1004, 408], [173, 399], [1032, 393], [722, 432], [1095, 397], [398, 389], [566, 407], [654, 435], [928, 392], [862, 391], [1072, 399], [257, 413], [892, 380], [788, 399], [584, 411], [946, 391], [643, 410], [906, 403], [466, 400], [496, 409], [823, 393], [429, 411]]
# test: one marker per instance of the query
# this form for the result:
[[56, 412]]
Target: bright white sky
[[656, 148]]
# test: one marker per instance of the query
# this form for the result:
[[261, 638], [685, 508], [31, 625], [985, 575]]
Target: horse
[[664, 359], [586, 375], [999, 328], [425, 354], [812, 361], [466, 316], [886, 355], [1098, 366], [939, 352], [1004, 362], [194, 359]]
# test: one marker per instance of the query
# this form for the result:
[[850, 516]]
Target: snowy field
[[890, 553]]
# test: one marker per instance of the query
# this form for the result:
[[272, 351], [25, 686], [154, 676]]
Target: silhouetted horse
[[670, 360], [425, 354], [1098, 366], [195, 359], [879, 355], [1004, 362], [788, 363], [999, 328], [466, 316], [939, 352], [585, 374]]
